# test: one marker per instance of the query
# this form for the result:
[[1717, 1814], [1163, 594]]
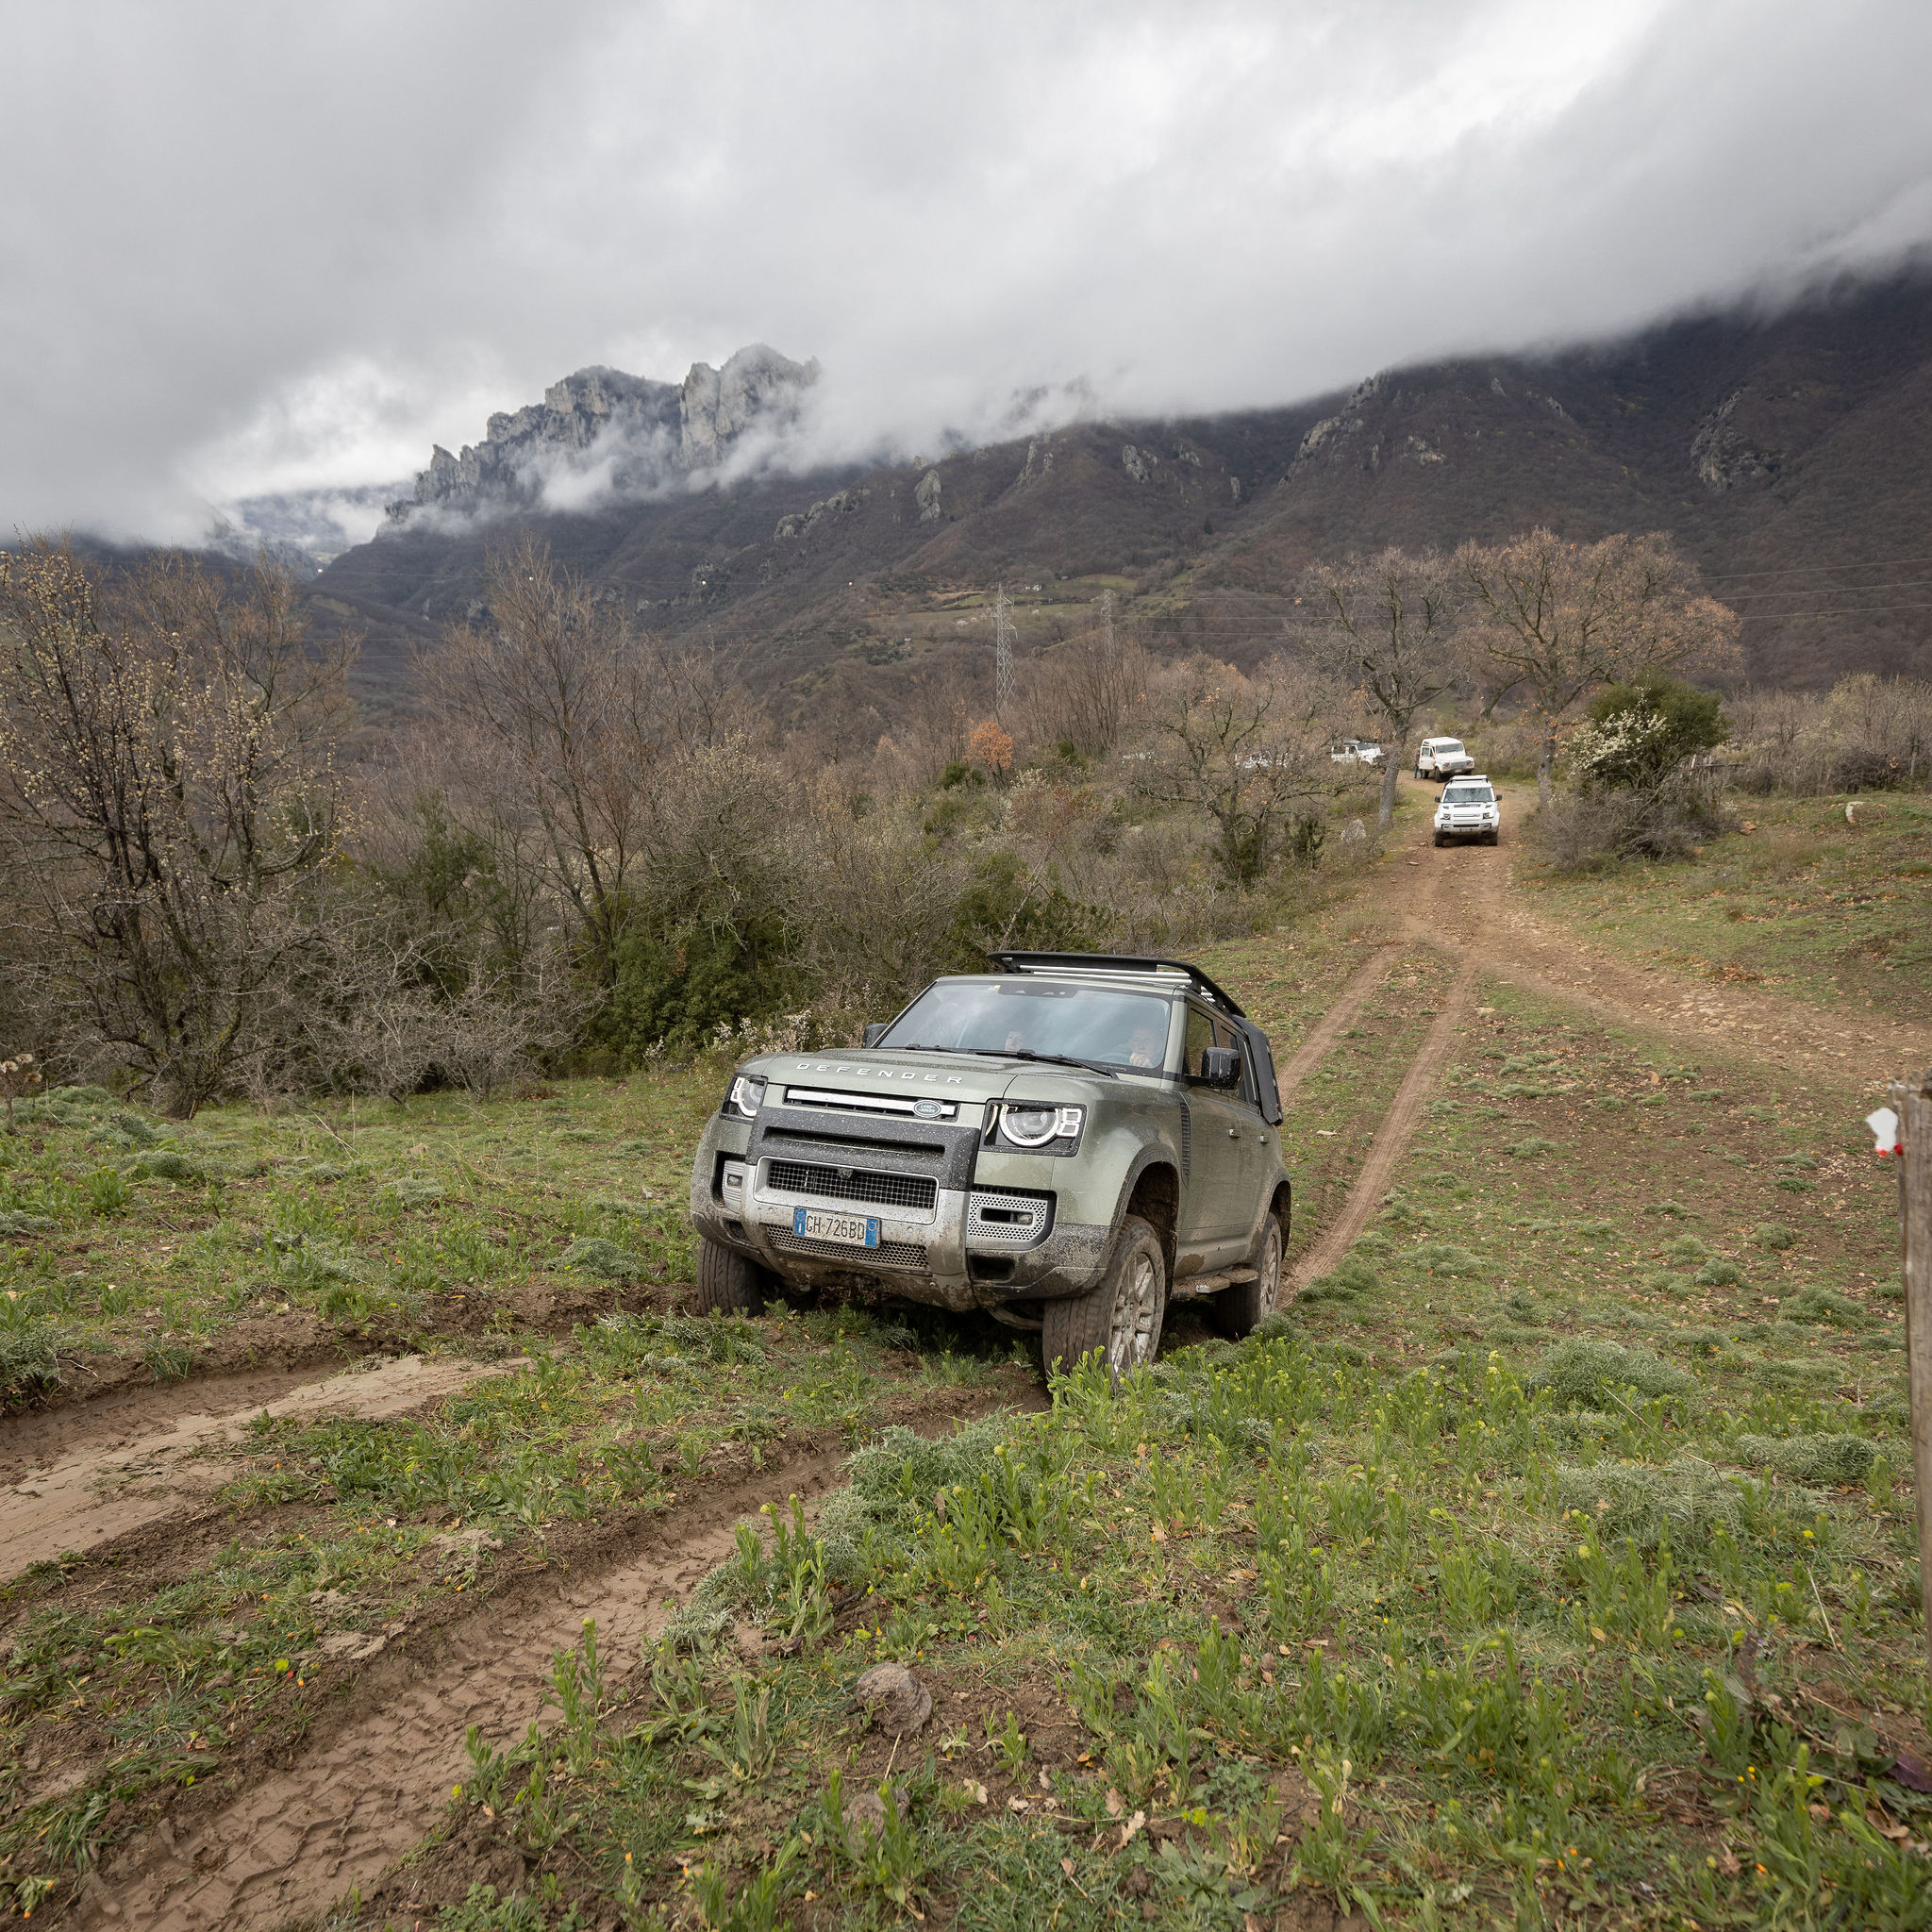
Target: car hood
[[948, 1077]]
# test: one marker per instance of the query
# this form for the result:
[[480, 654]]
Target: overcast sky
[[253, 247]]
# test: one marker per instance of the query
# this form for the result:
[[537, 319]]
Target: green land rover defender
[[1068, 1142]]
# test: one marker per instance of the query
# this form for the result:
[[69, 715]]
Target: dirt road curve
[[1464, 899], [104, 1487]]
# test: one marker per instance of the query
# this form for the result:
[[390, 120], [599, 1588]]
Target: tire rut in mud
[[1392, 1136], [299, 1839], [114, 1479], [1327, 1029]]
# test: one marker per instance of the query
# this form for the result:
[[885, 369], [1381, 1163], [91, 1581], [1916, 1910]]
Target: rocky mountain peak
[[604, 432]]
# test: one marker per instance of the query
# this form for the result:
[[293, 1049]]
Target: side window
[[1200, 1036]]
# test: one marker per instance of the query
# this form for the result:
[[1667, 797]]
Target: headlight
[[1029, 1124], [746, 1096]]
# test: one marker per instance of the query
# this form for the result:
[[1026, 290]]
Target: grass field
[[1549, 1563]]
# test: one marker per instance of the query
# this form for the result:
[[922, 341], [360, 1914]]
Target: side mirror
[[1221, 1066], [874, 1032]]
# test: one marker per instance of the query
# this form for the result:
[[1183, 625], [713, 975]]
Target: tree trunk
[[1543, 764], [1392, 770]]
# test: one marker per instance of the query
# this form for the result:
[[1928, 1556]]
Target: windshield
[[1118, 1029], [1468, 794], [1452, 745]]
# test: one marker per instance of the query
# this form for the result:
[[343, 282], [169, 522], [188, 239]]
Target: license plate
[[855, 1230]]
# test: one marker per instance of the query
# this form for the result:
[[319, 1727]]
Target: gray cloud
[[254, 249]]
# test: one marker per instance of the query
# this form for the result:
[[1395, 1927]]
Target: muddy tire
[[1119, 1321], [727, 1283], [1241, 1309], [1441, 842]]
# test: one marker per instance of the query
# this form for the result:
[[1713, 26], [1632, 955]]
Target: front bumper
[[974, 1246], [1465, 828]]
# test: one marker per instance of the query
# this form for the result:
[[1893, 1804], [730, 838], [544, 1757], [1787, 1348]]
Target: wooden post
[[1911, 1100]]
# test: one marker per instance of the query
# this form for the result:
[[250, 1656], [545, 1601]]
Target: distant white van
[[1442, 758]]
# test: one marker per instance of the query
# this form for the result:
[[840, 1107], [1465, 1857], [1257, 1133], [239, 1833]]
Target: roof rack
[[1114, 962]]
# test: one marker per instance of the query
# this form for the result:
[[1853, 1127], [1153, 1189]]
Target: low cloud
[[252, 253]]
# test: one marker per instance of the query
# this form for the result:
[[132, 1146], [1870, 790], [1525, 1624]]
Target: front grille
[[1006, 1221], [915, 1190], [887, 1254]]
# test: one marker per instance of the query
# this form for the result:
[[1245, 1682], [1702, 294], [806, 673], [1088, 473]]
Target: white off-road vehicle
[[1442, 758], [1356, 751], [1470, 807]]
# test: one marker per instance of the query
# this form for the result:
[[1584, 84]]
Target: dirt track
[[295, 1843], [1465, 900], [124, 1478]]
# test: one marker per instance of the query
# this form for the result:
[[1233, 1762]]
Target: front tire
[[1120, 1320], [1241, 1309], [1441, 842], [728, 1284]]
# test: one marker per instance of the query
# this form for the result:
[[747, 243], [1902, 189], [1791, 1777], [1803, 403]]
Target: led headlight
[[746, 1096], [1032, 1123]]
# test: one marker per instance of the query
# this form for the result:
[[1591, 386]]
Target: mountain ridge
[[1797, 442]]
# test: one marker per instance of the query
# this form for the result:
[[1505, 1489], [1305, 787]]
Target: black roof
[[1114, 962]]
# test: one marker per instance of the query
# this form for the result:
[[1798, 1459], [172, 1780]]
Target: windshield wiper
[[1006, 1052], [1059, 1059]]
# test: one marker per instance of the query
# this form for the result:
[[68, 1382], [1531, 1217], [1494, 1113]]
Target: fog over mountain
[[254, 253]]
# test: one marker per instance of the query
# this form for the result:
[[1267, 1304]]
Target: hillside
[[1793, 443]]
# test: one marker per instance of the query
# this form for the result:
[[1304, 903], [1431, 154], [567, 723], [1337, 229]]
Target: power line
[[1834, 589], [1735, 577]]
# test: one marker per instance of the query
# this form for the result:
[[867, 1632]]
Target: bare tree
[[1243, 751], [1385, 622], [1560, 619], [1084, 691], [576, 711], [171, 795]]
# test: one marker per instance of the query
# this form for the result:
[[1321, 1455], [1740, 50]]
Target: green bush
[[1718, 1273], [1444, 1257], [594, 1255], [1680, 1504], [1769, 1236], [1836, 1460], [1824, 1308], [1583, 1372]]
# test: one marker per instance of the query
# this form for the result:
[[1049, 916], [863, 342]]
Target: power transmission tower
[[1002, 652]]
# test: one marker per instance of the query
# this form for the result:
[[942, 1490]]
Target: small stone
[[899, 1703]]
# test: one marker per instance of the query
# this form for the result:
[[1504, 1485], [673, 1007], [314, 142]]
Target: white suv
[[1442, 758], [1356, 751], [1470, 807]]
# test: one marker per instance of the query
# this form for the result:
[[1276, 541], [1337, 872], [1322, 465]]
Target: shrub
[[1352, 1278], [1587, 832], [29, 1357], [1531, 1148], [1680, 1504], [1582, 1373], [1769, 1235], [1720, 1273], [1824, 1309], [596, 1255], [1836, 1460], [1444, 1257]]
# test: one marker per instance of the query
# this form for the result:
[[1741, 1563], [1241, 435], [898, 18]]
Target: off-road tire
[[1492, 837], [1441, 842], [1120, 1320], [1241, 1309], [728, 1284]]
